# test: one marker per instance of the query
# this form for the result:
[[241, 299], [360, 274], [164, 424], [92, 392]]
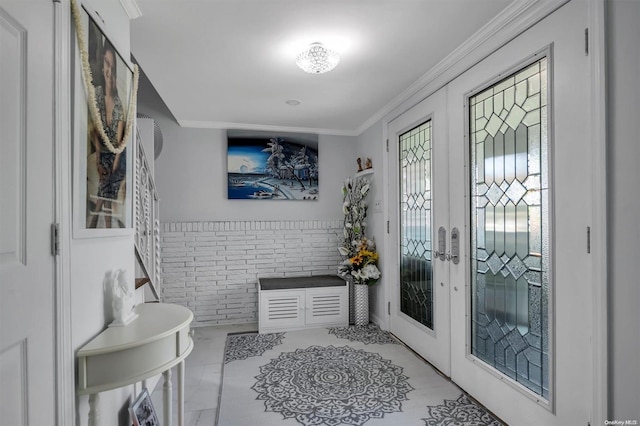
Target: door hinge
[[387, 145], [55, 239], [588, 239], [388, 308], [387, 227], [586, 42]]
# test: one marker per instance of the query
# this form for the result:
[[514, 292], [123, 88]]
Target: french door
[[509, 208], [420, 307]]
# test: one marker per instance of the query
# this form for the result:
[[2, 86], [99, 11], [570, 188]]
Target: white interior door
[[419, 204], [519, 328], [27, 393]]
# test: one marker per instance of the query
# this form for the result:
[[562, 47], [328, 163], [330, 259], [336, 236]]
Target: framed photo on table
[[142, 410], [103, 177]]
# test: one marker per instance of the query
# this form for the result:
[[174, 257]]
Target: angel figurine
[[121, 299]]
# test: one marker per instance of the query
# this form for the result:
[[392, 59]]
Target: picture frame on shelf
[[142, 411], [102, 179]]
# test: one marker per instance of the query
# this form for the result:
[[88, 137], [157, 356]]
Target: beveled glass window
[[416, 294], [510, 227]]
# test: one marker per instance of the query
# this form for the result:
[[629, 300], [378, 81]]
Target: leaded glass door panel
[[416, 246], [508, 128], [420, 300]]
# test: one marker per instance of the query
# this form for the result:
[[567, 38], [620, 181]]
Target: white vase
[[361, 293]]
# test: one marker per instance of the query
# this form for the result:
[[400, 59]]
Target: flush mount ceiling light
[[317, 59]]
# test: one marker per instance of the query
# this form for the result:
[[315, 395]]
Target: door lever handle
[[455, 246], [442, 244]]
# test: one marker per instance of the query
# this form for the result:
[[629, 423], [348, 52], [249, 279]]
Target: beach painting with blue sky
[[272, 166]]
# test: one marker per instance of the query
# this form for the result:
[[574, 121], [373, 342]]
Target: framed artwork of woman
[[103, 169]]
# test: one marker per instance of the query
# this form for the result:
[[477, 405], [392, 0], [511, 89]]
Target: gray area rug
[[337, 376]]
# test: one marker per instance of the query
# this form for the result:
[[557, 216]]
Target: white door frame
[[65, 361], [598, 145], [514, 20]]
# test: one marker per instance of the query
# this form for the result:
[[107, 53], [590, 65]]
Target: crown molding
[[269, 128], [516, 18], [132, 8]]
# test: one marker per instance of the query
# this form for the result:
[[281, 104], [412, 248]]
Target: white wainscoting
[[213, 267]]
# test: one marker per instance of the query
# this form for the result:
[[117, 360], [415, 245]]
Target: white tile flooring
[[203, 374]]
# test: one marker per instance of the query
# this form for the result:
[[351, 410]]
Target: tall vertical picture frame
[[103, 177]]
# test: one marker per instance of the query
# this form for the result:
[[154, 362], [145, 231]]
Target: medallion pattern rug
[[337, 376]]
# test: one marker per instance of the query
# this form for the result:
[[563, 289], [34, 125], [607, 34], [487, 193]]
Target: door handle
[[442, 244], [454, 255]]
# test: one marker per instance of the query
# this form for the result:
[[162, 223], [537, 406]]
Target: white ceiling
[[231, 63]]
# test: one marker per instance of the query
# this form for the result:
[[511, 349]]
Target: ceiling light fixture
[[317, 59]]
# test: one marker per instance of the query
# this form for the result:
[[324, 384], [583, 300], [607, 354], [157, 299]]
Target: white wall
[[371, 144], [92, 258], [214, 249], [191, 174], [623, 188]]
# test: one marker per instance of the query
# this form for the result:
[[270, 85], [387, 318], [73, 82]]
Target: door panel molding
[[15, 386], [13, 122]]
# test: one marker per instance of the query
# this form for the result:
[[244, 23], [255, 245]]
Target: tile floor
[[203, 373]]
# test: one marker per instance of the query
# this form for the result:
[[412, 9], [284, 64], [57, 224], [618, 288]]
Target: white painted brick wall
[[213, 267]]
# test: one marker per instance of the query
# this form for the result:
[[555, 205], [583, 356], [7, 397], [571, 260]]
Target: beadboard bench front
[[296, 303]]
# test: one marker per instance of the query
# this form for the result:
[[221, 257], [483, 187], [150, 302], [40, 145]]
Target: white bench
[[296, 303]]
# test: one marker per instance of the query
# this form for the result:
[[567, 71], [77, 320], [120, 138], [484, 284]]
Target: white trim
[[132, 8], [386, 216], [511, 22], [266, 127], [508, 24], [64, 362], [598, 123]]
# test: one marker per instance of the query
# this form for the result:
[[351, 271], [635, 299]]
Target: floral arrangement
[[354, 207], [363, 266], [361, 259]]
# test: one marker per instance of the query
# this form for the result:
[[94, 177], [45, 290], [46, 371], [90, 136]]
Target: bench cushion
[[300, 282]]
